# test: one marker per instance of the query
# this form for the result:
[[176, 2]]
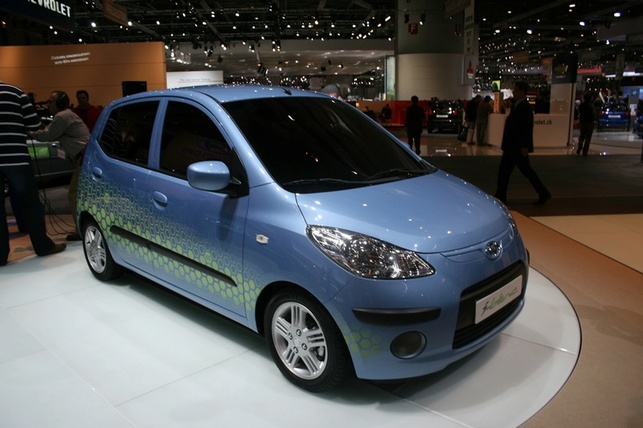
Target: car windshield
[[318, 144]]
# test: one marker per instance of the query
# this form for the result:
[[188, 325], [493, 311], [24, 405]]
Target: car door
[[197, 235], [119, 174]]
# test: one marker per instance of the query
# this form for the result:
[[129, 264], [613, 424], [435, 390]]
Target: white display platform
[[76, 352], [550, 130]]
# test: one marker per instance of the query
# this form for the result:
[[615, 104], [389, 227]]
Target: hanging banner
[[116, 13], [57, 13], [564, 69]]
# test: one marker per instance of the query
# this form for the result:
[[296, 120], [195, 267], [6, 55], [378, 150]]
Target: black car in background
[[445, 116]]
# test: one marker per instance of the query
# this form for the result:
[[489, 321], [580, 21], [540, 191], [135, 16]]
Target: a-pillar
[[435, 54]]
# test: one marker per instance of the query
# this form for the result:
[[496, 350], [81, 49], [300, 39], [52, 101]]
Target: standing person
[[470, 115], [413, 124], [587, 117], [73, 135], [87, 112], [17, 115], [386, 114], [482, 119], [517, 143]]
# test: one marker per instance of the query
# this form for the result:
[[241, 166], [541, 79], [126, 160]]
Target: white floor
[[75, 352]]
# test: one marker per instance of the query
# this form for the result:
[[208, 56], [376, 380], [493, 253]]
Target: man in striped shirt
[[17, 115]]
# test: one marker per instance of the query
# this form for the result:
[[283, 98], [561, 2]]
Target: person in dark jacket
[[587, 117], [471, 113], [413, 124], [517, 143]]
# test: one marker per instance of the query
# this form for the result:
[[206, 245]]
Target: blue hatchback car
[[293, 214], [614, 116]]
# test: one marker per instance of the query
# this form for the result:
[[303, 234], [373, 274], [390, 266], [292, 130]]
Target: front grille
[[467, 330]]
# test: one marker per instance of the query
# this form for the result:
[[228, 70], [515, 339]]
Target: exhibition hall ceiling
[[306, 38]]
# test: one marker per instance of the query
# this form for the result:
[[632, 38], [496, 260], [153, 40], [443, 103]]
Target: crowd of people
[[20, 120]]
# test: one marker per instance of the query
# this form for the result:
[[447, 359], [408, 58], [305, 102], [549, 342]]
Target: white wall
[[429, 75], [181, 79]]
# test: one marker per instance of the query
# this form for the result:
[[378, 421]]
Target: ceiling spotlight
[[582, 23], [422, 19]]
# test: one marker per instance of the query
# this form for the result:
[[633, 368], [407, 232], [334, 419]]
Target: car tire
[[97, 254], [305, 343]]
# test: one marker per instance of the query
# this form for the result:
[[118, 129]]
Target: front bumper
[[405, 329]]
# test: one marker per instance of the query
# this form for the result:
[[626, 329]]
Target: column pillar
[[435, 55]]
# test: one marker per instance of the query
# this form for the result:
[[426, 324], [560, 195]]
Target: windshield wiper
[[397, 172], [318, 181]]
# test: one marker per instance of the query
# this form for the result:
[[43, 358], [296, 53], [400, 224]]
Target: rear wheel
[[97, 255], [305, 343]]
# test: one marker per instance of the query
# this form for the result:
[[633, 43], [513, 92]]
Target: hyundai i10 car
[[293, 214]]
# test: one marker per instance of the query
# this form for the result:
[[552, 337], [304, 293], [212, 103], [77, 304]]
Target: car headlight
[[507, 213], [368, 257]]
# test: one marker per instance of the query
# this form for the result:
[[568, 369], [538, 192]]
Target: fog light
[[408, 345]]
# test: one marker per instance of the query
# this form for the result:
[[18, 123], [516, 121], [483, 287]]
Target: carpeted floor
[[605, 388]]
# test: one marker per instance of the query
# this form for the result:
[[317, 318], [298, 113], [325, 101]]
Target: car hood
[[433, 213]]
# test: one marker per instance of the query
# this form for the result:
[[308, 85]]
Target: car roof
[[228, 93]]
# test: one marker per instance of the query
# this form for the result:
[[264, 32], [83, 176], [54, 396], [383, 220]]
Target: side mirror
[[209, 175]]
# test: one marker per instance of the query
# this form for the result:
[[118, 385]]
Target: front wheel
[[97, 255], [305, 343]]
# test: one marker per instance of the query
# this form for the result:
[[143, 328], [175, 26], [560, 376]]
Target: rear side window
[[190, 136], [128, 132]]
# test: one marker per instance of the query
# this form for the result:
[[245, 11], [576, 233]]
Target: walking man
[[517, 143]]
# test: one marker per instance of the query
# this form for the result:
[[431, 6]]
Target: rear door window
[[128, 132]]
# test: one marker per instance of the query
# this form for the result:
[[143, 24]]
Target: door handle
[[159, 198]]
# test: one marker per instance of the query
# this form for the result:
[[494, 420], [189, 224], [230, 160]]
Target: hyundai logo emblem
[[493, 250]]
